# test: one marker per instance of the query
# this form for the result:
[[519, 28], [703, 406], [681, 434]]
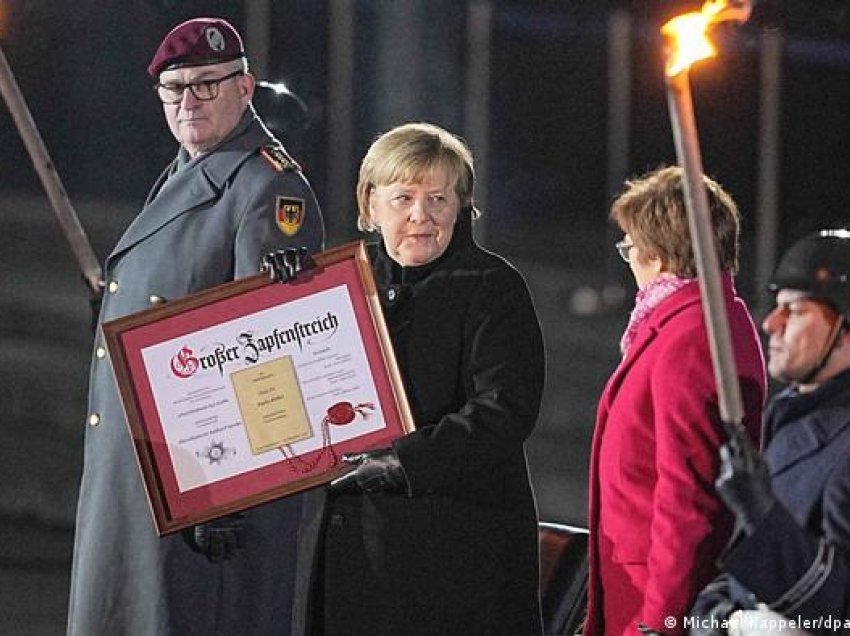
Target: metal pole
[[340, 180], [686, 139], [68, 219], [619, 99], [619, 35], [767, 222], [477, 101], [258, 20]]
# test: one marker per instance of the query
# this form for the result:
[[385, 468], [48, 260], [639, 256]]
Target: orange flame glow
[[687, 34]]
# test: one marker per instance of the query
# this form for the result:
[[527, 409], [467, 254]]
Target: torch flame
[[687, 34]]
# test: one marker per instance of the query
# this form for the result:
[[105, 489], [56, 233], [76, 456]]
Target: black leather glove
[[284, 265], [744, 481], [376, 471], [712, 608], [218, 540]]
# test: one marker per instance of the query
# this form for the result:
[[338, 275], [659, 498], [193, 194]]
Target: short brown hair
[[651, 210], [408, 153]]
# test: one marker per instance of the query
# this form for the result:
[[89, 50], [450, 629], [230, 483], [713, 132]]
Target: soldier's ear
[[247, 84]]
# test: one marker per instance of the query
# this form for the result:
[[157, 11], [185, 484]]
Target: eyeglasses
[[204, 90], [623, 249]]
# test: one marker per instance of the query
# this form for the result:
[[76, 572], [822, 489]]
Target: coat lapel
[[645, 335], [799, 425], [181, 193], [801, 440], [194, 185]]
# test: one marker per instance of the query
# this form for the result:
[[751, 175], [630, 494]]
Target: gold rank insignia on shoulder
[[289, 214], [278, 158]]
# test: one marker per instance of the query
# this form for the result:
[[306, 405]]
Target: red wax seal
[[339, 414], [343, 413]]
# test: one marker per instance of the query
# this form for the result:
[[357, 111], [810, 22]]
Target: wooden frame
[[252, 390]]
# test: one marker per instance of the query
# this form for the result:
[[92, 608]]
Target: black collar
[[389, 272]]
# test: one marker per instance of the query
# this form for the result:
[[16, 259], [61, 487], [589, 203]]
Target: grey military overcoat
[[206, 223]]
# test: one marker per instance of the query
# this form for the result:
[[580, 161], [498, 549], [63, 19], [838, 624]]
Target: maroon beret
[[197, 42]]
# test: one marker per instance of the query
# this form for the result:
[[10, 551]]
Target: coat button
[[391, 294], [337, 520], [94, 419], [156, 300], [100, 352], [112, 286]]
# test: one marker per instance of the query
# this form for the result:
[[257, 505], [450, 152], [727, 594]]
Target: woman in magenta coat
[[657, 525]]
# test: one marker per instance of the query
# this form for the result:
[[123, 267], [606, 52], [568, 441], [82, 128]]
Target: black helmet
[[819, 263]]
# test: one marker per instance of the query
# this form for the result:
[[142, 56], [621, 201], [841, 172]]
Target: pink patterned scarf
[[646, 300]]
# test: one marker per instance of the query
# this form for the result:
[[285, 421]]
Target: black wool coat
[[458, 553]]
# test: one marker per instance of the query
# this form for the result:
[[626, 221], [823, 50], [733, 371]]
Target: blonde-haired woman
[[438, 534]]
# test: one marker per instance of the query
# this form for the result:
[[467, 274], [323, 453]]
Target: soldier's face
[[201, 124], [799, 329], [416, 220]]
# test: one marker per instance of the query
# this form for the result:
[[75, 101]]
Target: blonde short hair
[[651, 210], [409, 153]]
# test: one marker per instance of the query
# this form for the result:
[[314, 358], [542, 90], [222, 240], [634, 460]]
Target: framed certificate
[[252, 390]]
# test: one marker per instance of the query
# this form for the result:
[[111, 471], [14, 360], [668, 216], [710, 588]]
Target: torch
[[68, 219], [687, 42]]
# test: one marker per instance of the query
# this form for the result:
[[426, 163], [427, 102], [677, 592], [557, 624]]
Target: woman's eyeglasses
[[623, 249]]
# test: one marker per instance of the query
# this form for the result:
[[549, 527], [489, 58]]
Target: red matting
[[129, 336]]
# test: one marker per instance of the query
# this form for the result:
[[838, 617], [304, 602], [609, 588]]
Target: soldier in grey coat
[[231, 195]]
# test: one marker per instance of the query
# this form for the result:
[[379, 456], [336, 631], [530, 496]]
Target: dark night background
[[541, 132]]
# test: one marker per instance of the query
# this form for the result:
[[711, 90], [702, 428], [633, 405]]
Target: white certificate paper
[[192, 379]]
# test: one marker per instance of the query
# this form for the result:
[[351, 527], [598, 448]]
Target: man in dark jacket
[[790, 560], [231, 195]]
